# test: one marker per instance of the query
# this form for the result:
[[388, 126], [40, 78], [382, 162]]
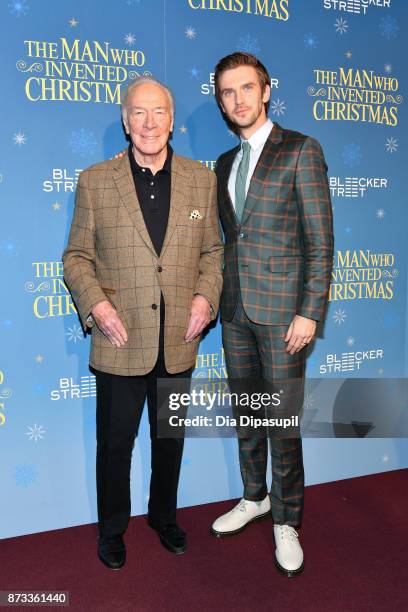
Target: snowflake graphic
[[18, 8], [249, 44], [350, 341], [35, 433], [391, 145], [190, 33], [74, 333], [388, 68], [25, 474], [339, 316], [132, 2], [8, 247], [341, 25], [349, 54], [129, 39], [82, 142], [183, 129], [310, 41], [20, 139], [380, 214], [389, 27], [73, 22], [194, 72], [278, 107], [351, 155]]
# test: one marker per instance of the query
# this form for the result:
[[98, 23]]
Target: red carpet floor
[[355, 538]]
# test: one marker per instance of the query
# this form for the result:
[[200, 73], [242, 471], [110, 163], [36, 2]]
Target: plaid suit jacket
[[110, 256], [280, 256]]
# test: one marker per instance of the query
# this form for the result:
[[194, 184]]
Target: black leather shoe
[[112, 551], [172, 537]]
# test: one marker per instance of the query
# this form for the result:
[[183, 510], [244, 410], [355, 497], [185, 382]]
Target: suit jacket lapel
[[267, 159], [223, 177], [126, 187]]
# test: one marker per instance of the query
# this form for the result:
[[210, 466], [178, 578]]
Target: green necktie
[[240, 183]]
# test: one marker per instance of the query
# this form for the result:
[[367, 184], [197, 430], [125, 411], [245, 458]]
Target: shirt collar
[[258, 139], [135, 167]]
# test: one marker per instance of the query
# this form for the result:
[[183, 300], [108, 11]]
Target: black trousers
[[120, 401]]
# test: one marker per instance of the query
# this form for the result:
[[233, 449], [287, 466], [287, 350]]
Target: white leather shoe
[[240, 516], [288, 554]]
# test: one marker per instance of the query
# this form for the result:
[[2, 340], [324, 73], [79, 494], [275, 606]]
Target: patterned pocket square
[[195, 215]]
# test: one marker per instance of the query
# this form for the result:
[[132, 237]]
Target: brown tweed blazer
[[110, 256]]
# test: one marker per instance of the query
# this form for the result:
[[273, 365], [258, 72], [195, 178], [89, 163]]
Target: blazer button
[[154, 306], [159, 269]]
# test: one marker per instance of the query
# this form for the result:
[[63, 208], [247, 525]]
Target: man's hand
[[199, 318], [120, 154], [299, 334], [109, 323]]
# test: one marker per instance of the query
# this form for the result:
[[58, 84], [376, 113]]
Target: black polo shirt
[[153, 192]]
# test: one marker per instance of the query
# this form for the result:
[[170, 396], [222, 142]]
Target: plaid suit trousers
[[259, 351]]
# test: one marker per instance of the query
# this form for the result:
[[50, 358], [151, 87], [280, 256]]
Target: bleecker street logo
[[209, 87], [348, 94], [78, 71], [362, 275], [355, 6], [349, 362], [69, 389], [51, 295], [62, 180], [355, 186]]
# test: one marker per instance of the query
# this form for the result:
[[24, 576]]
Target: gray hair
[[140, 81]]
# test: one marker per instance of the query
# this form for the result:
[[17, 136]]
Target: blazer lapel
[[267, 159], [179, 196], [126, 187]]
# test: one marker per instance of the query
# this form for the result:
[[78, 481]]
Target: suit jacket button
[[159, 269], [154, 306]]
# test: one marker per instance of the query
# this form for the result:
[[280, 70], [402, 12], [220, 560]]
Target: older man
[[143, 264]]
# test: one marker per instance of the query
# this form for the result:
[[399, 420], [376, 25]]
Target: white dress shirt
[[257, 142]]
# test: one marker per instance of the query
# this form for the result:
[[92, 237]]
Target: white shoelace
[[289, 531], [241, 506]]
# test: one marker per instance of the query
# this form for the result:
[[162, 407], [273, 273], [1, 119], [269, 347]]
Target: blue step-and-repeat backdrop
[[338, 72]]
